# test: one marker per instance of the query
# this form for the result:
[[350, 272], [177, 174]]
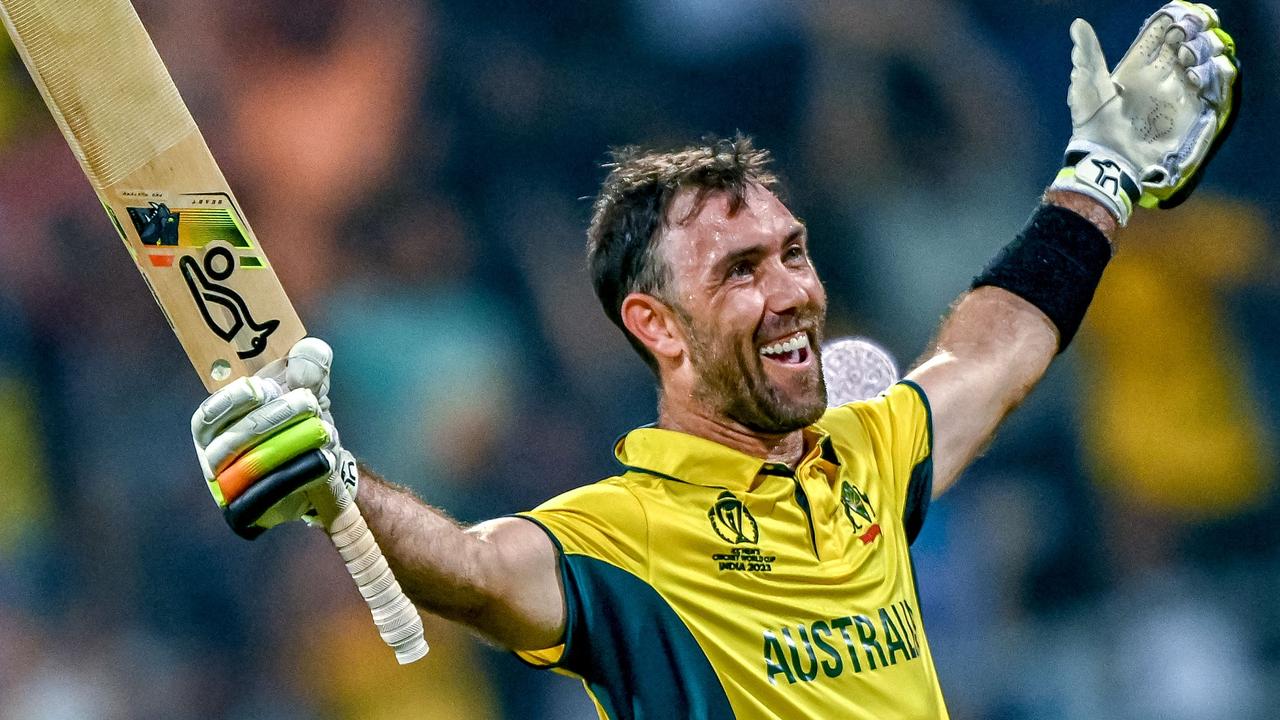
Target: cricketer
[[752, 557]]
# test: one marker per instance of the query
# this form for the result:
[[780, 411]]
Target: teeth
[[796, 342]]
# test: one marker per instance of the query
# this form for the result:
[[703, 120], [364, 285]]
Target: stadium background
[[420, 174]]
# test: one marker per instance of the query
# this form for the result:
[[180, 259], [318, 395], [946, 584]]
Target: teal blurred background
[[421, 174]]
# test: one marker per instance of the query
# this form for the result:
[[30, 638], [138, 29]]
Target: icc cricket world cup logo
[[732, 521]]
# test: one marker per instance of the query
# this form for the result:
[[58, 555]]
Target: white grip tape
[[343, 521], [349, 534], [377, 597], [408, 635], [359, 552], [393, 613], [364, 577], [365, 561], [379, 584], [390, 609]]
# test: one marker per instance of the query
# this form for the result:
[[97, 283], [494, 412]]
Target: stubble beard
[[732, 382]]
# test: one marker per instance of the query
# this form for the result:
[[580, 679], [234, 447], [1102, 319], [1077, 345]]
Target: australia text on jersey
[[882, 639]]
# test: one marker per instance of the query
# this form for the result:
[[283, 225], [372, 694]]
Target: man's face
[[751, 307]]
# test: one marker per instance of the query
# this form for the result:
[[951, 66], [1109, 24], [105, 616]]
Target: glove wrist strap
[[1103, 176]]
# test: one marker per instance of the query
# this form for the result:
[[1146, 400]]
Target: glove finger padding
[[1091, 86], [308, 366], [1177, 112], [266, 456], [283, 495], [1199, 49], [279, 496], [1214, 77], [1220, 86], [260, 424], [222, 409], [228, 405]]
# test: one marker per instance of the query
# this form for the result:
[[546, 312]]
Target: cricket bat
[[121, 113]]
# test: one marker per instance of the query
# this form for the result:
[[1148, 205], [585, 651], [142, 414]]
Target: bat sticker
[[156, 225], [201, 219], [222, 308]]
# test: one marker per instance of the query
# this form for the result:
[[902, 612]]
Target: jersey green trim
[[920, 486], [777, 470], [569, 619], [919, 495], [664, 476], [802, 499], [636, 656]]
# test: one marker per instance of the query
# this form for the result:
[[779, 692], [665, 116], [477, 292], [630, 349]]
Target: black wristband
[[1054, 264]]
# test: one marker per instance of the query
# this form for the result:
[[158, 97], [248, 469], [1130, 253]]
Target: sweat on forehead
[[696, 218], [690, 203]]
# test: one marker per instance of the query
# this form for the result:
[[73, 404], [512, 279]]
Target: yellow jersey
[[703, 582]]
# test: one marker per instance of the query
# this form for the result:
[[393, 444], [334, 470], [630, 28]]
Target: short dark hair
[[633, 204]]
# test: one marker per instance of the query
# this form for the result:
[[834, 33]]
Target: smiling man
[[752, 557], [752, 560]]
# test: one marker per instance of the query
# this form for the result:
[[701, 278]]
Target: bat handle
[[395, 615]]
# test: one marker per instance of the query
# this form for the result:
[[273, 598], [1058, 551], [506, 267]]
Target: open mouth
[[790, 350]]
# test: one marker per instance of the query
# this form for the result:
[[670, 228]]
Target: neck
[[690, 418]]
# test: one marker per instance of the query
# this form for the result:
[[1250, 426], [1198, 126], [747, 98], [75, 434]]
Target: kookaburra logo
[[857, 506], [223, 309], [348, 472], [732, 521], [1108, 172]]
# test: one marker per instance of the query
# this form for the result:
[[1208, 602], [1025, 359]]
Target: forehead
[[697, 241]]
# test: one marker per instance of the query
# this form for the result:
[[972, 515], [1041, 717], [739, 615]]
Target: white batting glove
[[1143, 133], [265, 442]]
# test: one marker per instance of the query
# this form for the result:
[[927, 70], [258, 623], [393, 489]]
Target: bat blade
[[121, 113]]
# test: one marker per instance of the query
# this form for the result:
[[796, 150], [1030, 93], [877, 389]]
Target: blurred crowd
[[421, 173]]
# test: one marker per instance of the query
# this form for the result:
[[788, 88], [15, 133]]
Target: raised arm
[[1142, 134], [990, 351]]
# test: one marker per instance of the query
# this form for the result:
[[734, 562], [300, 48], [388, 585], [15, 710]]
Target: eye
[[793, 253], [741, 269]]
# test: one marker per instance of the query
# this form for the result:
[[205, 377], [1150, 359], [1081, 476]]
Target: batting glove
[[1143, 133], [266, 442]]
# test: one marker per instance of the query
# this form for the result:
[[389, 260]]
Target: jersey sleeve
[[594, 528], [896, 430]]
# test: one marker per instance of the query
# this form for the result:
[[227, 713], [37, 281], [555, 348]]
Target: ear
[[653, 324]]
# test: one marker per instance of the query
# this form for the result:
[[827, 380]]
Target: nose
[[787, 290]]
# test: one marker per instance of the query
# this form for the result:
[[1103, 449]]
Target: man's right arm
[[499, 577]]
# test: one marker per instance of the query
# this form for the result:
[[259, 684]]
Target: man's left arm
[[1141, 137], [990, 351]]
